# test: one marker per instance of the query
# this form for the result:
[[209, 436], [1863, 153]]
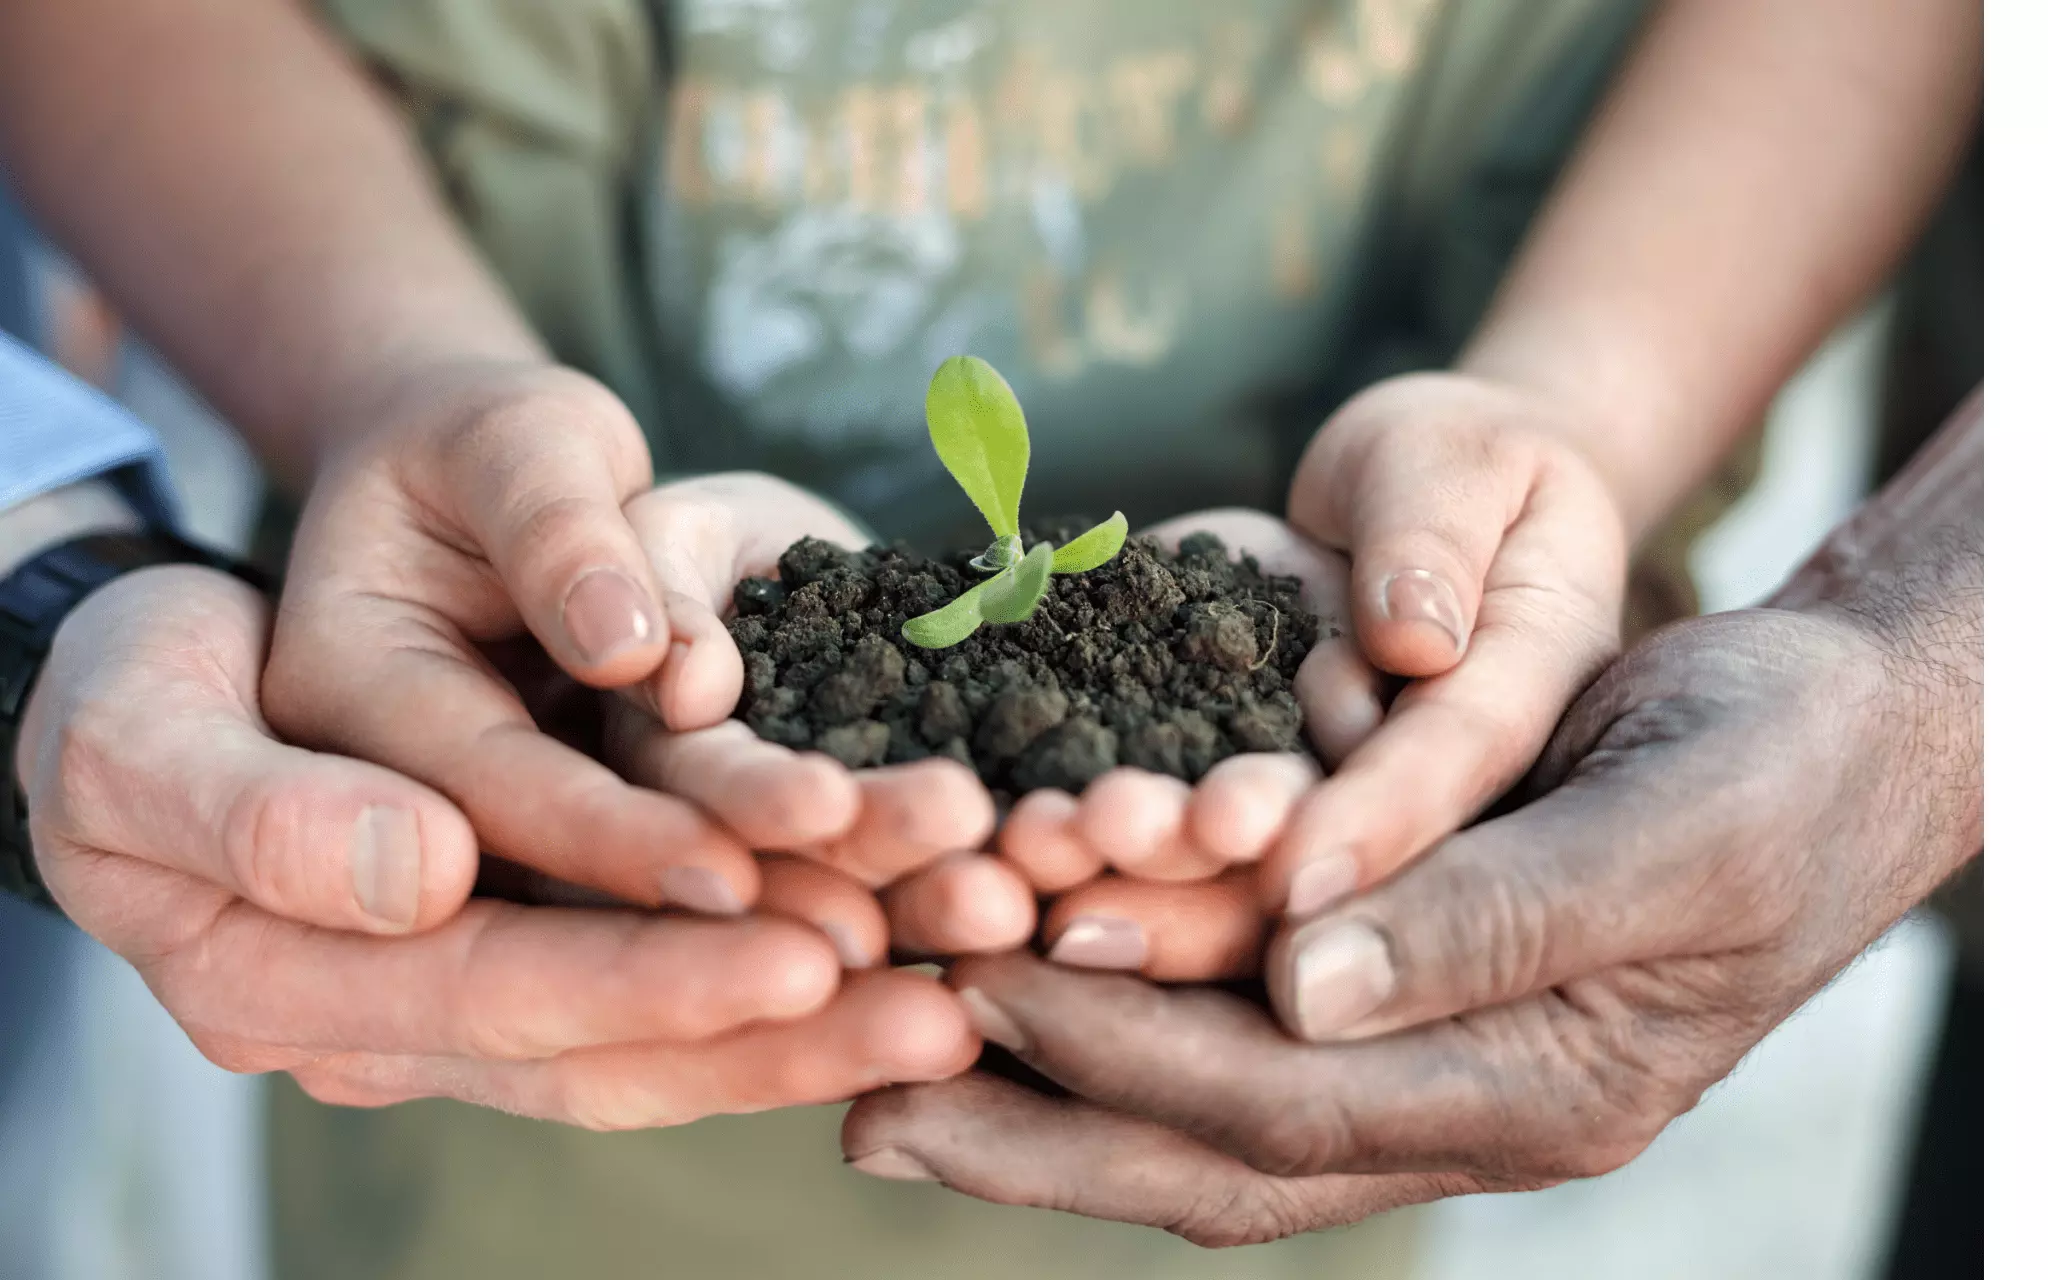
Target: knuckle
[[344, 1080], [327, 1087], [604, 1104], [556, 529], [237, 1054], [494, 1015], [1621, 1095], [482, 440], [1296, 1137], [87, 761], [1498, 933], [1233, 1213], [267, 842], [489, 1025]]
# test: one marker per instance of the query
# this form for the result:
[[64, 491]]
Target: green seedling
[[978, 430]]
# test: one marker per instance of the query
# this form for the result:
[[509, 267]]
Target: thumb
[[1607, 870], [320, 839], [702, 537], [541, 484], [1422, 525], [146, 744]]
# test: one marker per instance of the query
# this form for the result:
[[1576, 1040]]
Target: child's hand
[[1486, 568], [911, 832], [1488, 563], [1183, 904]]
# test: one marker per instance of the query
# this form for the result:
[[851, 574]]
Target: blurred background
[[1847, 1146]]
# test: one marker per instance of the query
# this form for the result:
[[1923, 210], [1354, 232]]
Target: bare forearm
[[1756, 171], [247, 198]]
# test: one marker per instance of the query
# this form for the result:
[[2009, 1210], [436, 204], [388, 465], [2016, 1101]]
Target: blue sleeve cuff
[[56, 430]]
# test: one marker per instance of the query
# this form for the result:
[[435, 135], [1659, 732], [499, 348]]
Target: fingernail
[[851, 953], [607, 613], [895, 1164], [1320, 883], [992, 1021], [384, 858], [1100, 942], [1417, 595], [1342, 973], [702, 891]]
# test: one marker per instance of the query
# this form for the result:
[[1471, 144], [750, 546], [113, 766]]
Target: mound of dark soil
[[1167, 660]]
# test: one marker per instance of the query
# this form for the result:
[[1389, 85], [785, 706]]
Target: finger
[[382, 680], [497, 981], [1564, 887], [167, 761], [843, 911], [1000, 1142], [1422, 514], [911, 815], [771, 797], [702, 537], [695, 548], [1038, 838], [1136, 821], [1207, 931], [885, 1027], [1452, 745], [542, 486], [1240, 806], [1341, 698], [1524, 1093], [966, 904]]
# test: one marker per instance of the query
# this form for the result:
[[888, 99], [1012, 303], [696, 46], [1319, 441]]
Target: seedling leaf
[[1012, 595], [977, 427], [1094, 548], [946, 627]]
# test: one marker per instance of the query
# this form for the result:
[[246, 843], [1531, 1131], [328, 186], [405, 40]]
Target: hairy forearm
[[1908, 568], [249, 201], [1756, 171]]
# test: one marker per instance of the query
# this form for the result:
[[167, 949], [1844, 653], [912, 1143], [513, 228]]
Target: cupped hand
[[1488, 562], [473, 507], [310, 913], [914, 832], [1180, 900], [1473, 565], [1733, 812]]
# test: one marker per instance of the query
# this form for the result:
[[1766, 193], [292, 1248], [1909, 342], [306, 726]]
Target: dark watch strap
[[34, 601]]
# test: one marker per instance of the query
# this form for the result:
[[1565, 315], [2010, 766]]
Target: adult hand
[[1736, 810], [241, 876], [478, 505]]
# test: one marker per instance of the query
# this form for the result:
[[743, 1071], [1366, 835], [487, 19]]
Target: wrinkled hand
[[1735, 810], [240, 877]]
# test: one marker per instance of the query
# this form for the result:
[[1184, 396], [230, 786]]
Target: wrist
[[1906, 573], [75, 511], [1611, 406]]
